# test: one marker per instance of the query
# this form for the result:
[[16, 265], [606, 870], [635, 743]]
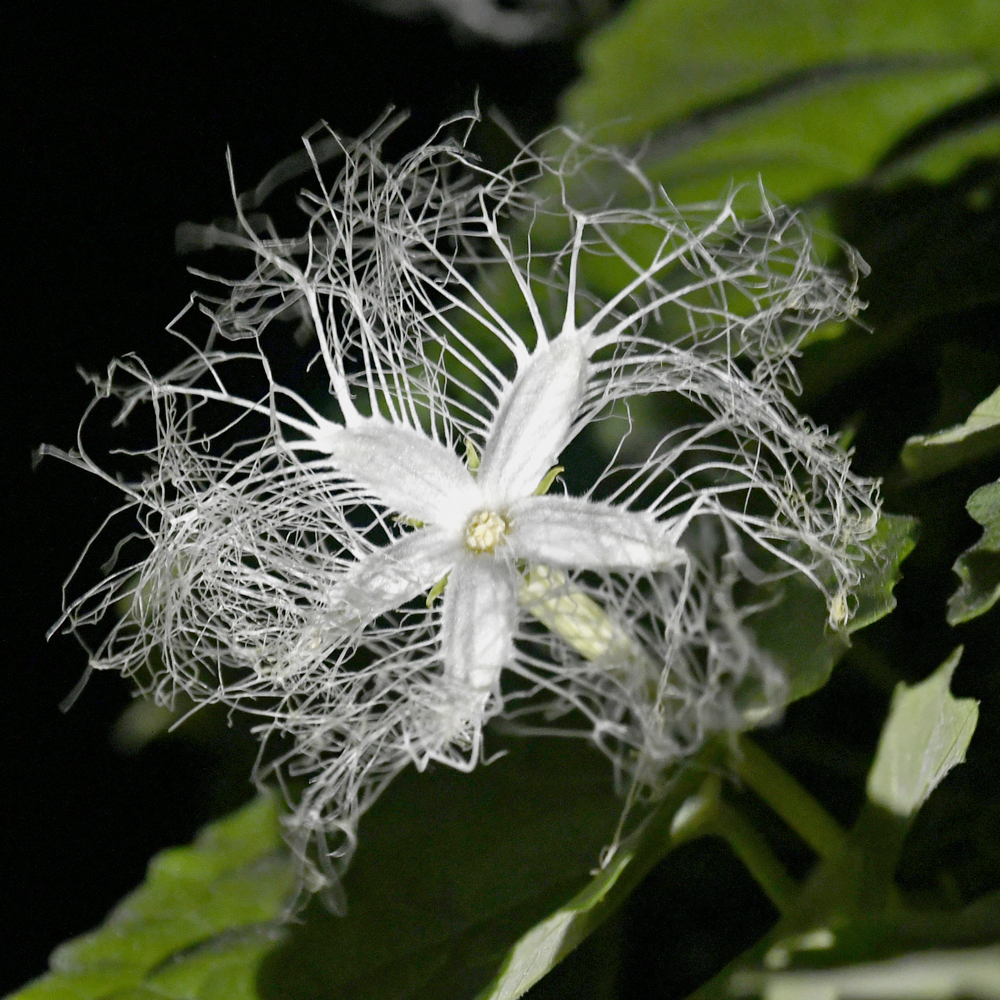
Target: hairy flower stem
[[788, 799]]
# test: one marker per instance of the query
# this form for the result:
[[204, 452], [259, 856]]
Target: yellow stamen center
[[485, 531]]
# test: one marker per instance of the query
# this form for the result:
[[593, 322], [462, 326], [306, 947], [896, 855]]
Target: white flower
[[380, 579]]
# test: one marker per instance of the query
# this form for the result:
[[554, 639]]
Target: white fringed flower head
[[381, 568]]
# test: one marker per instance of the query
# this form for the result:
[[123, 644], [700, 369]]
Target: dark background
[[119, 127]]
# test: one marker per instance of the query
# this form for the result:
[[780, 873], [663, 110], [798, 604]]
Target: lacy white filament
[[379, 574]]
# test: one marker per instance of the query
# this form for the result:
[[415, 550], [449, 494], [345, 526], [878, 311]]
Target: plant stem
[[788, 799], [751, 848]]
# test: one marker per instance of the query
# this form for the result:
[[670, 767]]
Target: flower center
[[485, 531]]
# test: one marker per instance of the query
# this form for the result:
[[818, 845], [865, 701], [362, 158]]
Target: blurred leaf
[[195, 930], [927, 455], [874, 937], [966, 375], [815, 139], [451, 871], [973, 973], [140, 723], [810, 96], [925, 736], [795, 628], [941, 158], [979, 566], [795, 631], [861, 945], [932, 253]]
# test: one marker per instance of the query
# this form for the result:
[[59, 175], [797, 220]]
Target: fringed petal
[[391, 576], [406, 470], [533, 421], [478, 621], [567, 531]]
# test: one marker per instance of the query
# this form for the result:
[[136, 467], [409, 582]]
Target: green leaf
[[928, 455], [549, 941], [195, 930], [795, 629], [868, 955], [451, 871], [808, 95], [978, 567], [679, 816], [893, 932], [942, 157], [924, 975], [925, 736], [894, 540]]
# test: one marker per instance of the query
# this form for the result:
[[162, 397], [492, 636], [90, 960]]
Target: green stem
[[789, 799], [706, 814], [751, 848]]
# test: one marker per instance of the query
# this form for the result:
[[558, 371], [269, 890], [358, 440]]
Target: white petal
[[391, 576], [568, 531], [405, 469], [532, 423], [478, 621]]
